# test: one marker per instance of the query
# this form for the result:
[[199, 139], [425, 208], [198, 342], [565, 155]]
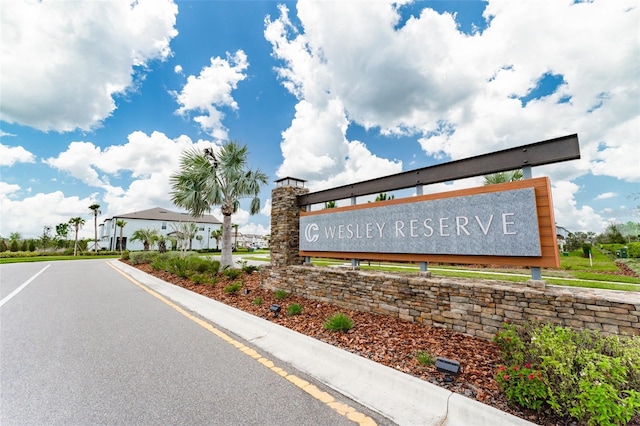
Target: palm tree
[[95, 208], [503, 177], [147, 236], [121, 224], [207, 179], [217, 235], [77, 223]]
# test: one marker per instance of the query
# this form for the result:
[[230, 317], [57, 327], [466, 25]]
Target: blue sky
[[98, 99]]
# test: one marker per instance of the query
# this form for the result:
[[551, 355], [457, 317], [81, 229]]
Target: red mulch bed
[[388, 341]]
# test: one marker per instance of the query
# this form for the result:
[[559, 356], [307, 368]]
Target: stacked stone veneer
[[474, 308], [285, 222]]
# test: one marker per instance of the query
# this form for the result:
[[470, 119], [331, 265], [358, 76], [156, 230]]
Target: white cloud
[[315, 146], [266, 208], [64, 62], [571, 216], [6, 189], [606, 195], [178, 69], [10, 155], [458, 92], [148, 159], [28, 217], [209, 92]]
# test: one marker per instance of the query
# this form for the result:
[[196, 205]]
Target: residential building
[[163, 220]]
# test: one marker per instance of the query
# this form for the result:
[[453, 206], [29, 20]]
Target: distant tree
[[95, 208], [611, 235], [148, 237], [162, 243], [120, 224], [62, 230], [502, 177], [330, 205], [223, 179], [630, 230], [383, 197], [32, 246], [15, 236], [3, 245], [13, 246], [45, 239], [77, 223], [24, 246], [217, 235]]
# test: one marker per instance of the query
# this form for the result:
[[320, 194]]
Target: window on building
[[164, 225]]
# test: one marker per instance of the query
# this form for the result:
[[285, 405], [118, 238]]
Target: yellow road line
[[312, 390]]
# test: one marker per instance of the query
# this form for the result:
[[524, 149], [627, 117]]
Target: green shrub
[[294, 309], [280, 294], [125, 255], [199, 278], [425, 358], [198, 264], [582, 374], [139, 257], [232, 273], [338, 322], [178, 266], [249, 269], [233, 288], [634, 250], [257, 301], [214, 266]]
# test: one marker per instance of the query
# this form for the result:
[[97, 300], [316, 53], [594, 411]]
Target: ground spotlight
[[275, 309], [449, 367]]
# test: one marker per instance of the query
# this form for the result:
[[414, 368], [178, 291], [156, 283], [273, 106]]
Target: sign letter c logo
[[310, 232]]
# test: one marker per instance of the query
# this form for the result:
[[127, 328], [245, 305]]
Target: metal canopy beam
[[551, 151]]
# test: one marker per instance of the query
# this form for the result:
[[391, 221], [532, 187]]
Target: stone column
[[285, 226]]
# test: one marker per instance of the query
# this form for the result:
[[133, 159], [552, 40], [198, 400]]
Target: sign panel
[[491, 224]]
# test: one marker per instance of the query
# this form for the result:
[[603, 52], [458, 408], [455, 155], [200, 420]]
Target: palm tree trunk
[[226, 258], [95, 229], [75, 243]]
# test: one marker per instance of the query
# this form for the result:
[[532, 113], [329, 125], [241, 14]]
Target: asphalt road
[[82, 345]]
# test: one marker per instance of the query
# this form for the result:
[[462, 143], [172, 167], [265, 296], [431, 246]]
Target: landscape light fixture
[[275, 309], [246, 291], [449, 367]]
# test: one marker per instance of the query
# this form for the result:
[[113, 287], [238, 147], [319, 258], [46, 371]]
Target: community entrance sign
[[509, 223]]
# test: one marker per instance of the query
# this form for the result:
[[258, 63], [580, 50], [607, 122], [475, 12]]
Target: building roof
[[169, 216]]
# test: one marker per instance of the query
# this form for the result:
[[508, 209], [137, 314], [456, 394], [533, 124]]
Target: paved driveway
[[80, 344]]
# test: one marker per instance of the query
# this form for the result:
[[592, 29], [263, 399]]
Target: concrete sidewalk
[[404, 399]]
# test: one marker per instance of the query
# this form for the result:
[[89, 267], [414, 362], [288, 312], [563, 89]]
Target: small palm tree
[[77, 223], [222, 179], [217, 235], [121, 224], [95, 208], [503, 177], [147, 236]]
